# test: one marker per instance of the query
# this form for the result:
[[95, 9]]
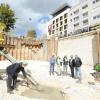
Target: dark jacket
[[65, 61], [71, 62], [14, 69], [78, 62]]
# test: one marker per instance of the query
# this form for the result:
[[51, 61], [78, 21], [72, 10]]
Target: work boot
[[79, 81], [10, 91]]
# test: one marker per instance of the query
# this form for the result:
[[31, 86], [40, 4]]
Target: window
[[85, 14], [61, 23], [61, 17], [56, 25], [57, 20], [53, 32], [85, 22], [76, 18], [71, 14], [85, 6], [53, 26], [65, 21], [95, 1], [57, 29], [71, 20], [61, 28], [65, 33], [53, 22], [65, 27], [76, 25], [96, 17], [65, 15], [76, 12]]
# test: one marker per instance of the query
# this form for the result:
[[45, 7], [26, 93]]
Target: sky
[[34, 14]]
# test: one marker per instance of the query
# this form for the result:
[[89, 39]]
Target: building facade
[[79, 19], [59, 24]]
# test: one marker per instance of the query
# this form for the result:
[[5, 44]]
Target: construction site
[[34, 31], [37, 53]]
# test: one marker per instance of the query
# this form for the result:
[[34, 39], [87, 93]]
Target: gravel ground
[[70, 89]]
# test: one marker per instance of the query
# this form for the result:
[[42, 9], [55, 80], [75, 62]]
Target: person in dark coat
[[65, 64], [12, 74], [78, 63], [71, 65]]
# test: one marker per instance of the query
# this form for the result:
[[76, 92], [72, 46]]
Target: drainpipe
[[98, 44]]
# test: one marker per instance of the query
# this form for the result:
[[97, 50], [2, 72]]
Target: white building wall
[[79, 6], [95, 11], [84, 47]]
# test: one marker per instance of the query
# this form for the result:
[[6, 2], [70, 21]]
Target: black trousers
[[11, 82], [72, 71]]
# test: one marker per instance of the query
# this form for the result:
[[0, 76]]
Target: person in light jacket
[[52, 64], [59, 64]]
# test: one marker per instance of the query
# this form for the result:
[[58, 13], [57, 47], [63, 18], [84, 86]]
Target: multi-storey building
[[78, 19], [83, 16], [95, 12], [59, 24]]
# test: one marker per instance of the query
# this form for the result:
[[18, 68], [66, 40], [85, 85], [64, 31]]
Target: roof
[[60, 9]]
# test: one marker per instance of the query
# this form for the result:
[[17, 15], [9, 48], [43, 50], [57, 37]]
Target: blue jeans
[[65, 68], [78, 72], [51, 69]]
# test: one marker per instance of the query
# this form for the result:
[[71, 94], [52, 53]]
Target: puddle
[[45, 93]]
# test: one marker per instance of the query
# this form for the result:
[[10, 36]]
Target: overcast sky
[[33, 14]]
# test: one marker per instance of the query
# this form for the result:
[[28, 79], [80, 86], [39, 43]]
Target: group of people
[[74, 63]]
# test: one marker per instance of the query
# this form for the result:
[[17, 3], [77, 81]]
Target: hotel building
[[74, 20]]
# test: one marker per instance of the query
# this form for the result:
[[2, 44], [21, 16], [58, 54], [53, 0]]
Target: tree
[[31, 34], [7, 16]]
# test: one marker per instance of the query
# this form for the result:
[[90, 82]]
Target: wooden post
[[24, 52]]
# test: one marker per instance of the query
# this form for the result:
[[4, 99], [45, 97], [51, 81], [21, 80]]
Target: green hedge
[[97, 67]]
